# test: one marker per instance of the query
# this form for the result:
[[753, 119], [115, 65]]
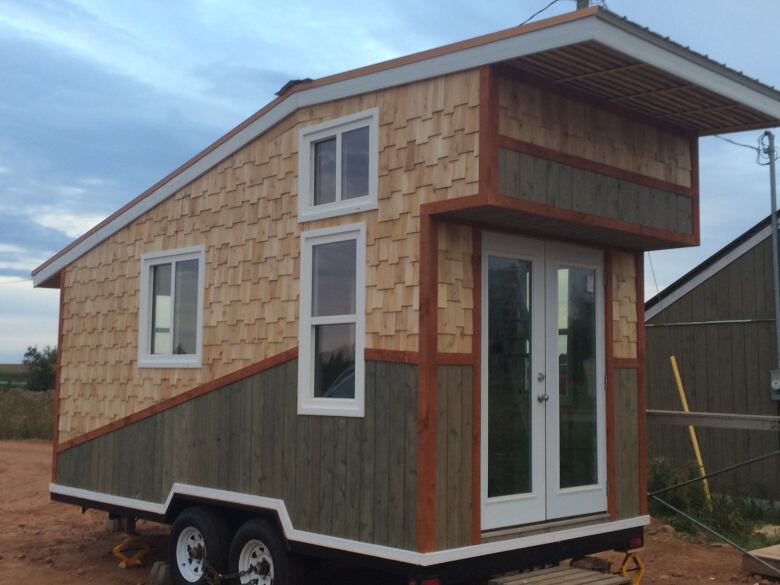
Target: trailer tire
[[257, 543], [197, 527]]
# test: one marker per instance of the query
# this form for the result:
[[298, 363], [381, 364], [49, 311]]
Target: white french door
[[543, 418]]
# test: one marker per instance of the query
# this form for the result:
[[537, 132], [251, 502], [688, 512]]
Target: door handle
[[543, 397], [540, 377]]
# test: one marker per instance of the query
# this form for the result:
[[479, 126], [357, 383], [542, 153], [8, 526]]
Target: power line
[[735, 143], [538, 12]]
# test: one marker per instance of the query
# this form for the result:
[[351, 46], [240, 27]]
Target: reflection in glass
[[577, 376], [354, 163], [509, 376], [185, 307], [334, 361], [333, 286], [161, 308], [325, 171]]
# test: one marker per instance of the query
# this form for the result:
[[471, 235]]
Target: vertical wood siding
[[244, 211], [724, 367], [552, 183], [560, 123], [627, 459], [453, 456], [349, 477]]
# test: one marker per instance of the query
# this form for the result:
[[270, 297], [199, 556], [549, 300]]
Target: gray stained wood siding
[[552, 183], [453, 456], [724, 367], [348, 477], [626, 404]]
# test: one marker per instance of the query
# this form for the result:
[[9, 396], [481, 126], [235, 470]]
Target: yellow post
[[691, 431]]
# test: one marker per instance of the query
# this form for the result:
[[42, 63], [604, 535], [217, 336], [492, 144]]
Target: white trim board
[[711, 270], [606, 29], [345, 544]]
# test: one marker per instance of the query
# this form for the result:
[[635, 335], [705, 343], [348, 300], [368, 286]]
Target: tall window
[[332, 322], [337, 166], [171, 307]]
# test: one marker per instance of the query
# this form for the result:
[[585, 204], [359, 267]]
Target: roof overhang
[[588, 27]]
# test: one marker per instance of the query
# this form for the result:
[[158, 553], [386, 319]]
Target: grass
[[25, 414], [737, 518], [13, 375]]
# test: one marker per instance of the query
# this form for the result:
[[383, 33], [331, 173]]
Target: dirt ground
[[47, 543]]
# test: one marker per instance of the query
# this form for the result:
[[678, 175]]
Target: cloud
[[27, 317], [70, 224]]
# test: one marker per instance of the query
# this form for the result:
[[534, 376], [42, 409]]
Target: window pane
[[577, 376], [354, 163], [334, 361], [161, 308], [509, 377], [325, 171], [185, 307], [333, 278]]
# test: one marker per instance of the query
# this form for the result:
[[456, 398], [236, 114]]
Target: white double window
[[338, 166], [332, 322], [171, 309]]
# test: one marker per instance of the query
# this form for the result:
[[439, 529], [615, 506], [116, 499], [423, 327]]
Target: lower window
[[332, 322]]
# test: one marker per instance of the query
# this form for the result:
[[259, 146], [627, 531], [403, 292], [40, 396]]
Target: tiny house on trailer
[[397, 314]]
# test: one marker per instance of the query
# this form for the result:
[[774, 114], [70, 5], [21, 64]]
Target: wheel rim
[[256, 556], [190, 551]]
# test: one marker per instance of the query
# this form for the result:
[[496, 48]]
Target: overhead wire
[[538, 12]]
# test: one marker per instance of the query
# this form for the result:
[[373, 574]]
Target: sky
[[100, 99]]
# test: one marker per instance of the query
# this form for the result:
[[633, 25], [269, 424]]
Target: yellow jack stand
[[636, 572], [132, 544]]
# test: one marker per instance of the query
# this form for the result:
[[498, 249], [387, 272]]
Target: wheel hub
[[255, 563], [190, 553]]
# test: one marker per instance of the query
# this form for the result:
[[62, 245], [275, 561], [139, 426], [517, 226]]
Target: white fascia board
[[532, 42], [666, 56], [344, 544], [708, 272]]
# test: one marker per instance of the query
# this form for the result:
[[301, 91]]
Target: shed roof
[[591, 52], [709, 267]]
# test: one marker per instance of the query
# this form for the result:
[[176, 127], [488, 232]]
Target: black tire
[[215, 533], [275, 557]]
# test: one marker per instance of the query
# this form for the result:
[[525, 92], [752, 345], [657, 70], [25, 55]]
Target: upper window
[[332, 322], [171, 309], [337, 166]]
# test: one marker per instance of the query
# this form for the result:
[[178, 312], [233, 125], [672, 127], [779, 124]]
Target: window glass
[[333, 282], [325, 171], [161, 308], [334, 361], [354, 163], [185, 307]]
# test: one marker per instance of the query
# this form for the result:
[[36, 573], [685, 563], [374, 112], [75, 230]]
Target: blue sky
[[100, 99]]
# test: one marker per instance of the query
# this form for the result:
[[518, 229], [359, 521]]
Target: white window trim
[[307, 403], [145, 358], [307, 137]]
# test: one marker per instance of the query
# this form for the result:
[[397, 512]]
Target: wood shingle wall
[[553, 121], [244, 212], [624, 299], [456, 289]]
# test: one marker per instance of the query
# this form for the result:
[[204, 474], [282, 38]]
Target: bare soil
[[48, 543]]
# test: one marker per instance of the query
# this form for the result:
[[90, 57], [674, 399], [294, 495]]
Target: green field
[[13, 376], [25, 414]]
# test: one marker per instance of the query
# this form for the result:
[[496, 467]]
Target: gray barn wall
[[348, 477], [552, 183], [724, 367], [626, 415]]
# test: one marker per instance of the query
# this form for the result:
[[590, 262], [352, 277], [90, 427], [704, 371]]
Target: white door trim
[[575, 501], [509, 510]]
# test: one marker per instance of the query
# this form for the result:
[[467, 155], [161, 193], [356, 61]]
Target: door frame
[[551, 501]]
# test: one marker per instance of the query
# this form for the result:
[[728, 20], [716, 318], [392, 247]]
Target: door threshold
[[542, 527]]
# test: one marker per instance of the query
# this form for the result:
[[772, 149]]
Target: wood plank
[[453, 479], [326, 451], [396, 409], [382, 452], [290, 420], [441, 457], [367, 450], [341, 480], [410, 457]]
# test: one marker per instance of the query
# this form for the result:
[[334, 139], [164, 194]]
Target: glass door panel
[[509, 381], [577, 376]]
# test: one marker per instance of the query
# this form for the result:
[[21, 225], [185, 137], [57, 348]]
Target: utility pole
[[775, 374]]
